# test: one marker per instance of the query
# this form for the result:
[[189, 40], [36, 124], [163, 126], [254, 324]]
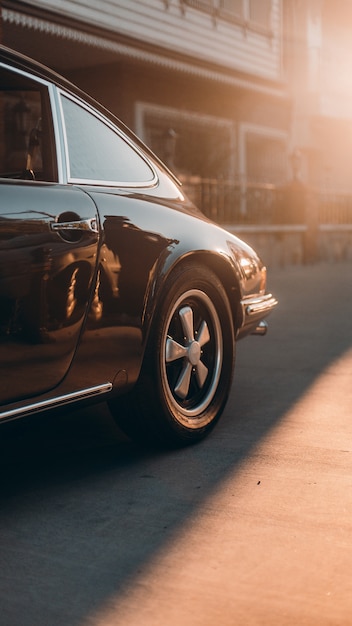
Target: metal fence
[[335, 209], [228, 202]]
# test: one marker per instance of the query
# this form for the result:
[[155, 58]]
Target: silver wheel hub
[[194, 353]]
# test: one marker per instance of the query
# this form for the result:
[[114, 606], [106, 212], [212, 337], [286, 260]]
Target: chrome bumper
[[258, 305], [254, 309]]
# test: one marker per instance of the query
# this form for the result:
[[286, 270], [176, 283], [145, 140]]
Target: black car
[[113, 286]]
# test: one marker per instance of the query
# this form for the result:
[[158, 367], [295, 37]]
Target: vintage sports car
[[113, 286]]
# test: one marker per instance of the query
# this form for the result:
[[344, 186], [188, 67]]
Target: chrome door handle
[[90, 225]]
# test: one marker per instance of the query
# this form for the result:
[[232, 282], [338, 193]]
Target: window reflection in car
[[26, 138]]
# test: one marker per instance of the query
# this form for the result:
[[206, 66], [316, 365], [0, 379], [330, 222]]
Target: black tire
[[188, 366]]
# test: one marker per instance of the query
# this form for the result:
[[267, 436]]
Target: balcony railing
[[228, 202], [335, 208]]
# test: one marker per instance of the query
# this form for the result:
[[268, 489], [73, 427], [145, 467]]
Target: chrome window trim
[[98, 182], [57, 133], [53, 106]]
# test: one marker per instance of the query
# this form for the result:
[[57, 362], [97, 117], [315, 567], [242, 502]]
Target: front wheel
[[187, 371]]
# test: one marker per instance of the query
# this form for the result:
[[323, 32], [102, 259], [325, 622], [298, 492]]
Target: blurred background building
[[238, 97]]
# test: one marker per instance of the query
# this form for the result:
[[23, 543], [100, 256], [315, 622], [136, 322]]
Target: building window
[[259, 12], [254, 14], [234, 7], [207, 5], [190, 144], [266, 160], [262, 154]]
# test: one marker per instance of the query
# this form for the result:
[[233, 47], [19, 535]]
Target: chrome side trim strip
[[56, 402]]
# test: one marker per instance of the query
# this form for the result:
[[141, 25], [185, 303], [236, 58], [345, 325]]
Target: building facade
[[201, 81], [220, 89]]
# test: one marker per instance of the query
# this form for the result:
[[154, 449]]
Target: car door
[[48, 246]]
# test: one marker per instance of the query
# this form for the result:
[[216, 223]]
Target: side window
[[26, 136], [96, 153]]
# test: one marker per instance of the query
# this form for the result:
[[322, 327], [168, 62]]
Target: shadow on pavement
[[83, 510]]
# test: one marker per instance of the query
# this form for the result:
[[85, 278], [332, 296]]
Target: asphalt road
[[251, 527]]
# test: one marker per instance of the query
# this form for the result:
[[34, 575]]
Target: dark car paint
[[36, 266], [149, 239], [119, 274]]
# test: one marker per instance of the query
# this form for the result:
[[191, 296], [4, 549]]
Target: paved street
[[253, 527]]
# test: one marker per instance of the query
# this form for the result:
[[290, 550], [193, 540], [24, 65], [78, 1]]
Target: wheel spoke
[[174, 350], [201, 373], [203, 334], [186, 317], [183, 382]]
